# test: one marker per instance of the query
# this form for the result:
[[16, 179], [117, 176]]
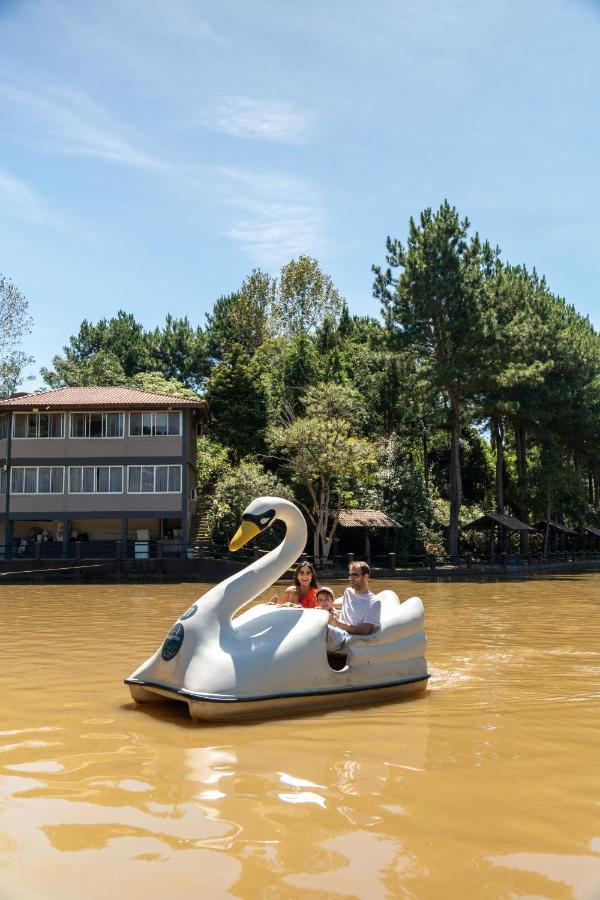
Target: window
[[154, 479], [95, 479], [3, 480], [142, 424], [96, 425], [3, 426], [37, 480], [39, 425]]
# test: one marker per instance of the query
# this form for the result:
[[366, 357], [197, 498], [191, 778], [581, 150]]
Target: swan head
[[258, 516]]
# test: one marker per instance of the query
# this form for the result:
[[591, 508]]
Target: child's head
[[325, 598], [291, 595]]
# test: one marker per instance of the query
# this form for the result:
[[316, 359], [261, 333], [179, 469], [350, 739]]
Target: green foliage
[[12, 366], [102, 368], [238, 403], [180, 352], [158, 384], [15, 323], [324, 456], [304, 298], [242, 317], [213, 462], [234, 491]]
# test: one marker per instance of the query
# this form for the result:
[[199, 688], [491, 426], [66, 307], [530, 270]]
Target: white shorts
[[336, 638]]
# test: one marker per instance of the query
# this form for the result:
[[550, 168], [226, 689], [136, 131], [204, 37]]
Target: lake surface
[[486, 787]]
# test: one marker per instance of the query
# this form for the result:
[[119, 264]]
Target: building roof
[[555, 526], [490, 520], [99, 398], [365, 518], [592, 530]]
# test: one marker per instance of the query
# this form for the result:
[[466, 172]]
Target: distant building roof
[[365, 518], [100, 398], [555, 526], [592, 530], [490, 520]]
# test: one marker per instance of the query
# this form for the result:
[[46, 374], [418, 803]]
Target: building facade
[[98, 463]]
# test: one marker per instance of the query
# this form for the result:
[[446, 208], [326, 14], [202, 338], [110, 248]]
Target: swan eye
[[264, 520]]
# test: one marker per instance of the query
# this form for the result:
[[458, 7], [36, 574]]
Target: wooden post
[[37, 550], [392, 559], [159, 557], [78, 551], [118, 557]]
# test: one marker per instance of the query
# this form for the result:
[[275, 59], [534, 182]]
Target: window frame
[[95, 491], [37, 436], [93, 437], [155, 466], [37, 491], [4, 421], [153, 414]]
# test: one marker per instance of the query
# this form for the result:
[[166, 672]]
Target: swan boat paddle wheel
[[272, 660]]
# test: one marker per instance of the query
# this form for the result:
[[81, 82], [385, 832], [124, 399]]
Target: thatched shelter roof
[[365, 518], [555, 526], [492, 520], [592, 530]]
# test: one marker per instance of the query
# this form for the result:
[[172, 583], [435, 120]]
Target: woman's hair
[[313, 581]]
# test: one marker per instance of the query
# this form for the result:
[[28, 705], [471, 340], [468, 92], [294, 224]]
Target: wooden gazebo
[[368, 521], [593, 534], [495, 521], [558, 534]]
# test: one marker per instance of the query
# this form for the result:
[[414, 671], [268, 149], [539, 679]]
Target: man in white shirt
[[360, 613]]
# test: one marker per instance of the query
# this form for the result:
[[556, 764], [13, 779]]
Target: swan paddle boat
[[272, 660]]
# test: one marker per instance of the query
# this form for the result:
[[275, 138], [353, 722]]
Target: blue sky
[[153, 152]]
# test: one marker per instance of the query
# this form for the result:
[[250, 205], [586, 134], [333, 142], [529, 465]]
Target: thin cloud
[[276, 217], [20, 201], [265, 120], [72, 124]]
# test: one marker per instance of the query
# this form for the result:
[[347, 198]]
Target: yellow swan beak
[[245, 533]]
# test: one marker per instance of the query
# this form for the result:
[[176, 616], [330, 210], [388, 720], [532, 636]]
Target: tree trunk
[[425, 462], [455, 479], [498, 433], [521, 450]]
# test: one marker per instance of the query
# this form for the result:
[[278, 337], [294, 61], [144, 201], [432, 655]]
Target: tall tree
[[238, 404], [241, 318], [15, 323], [122, 337], [324, 456], [304, 297], [179, 351], [438, 306]]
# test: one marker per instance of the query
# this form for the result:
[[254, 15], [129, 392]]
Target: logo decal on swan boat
[[173, 642], [189, 612]]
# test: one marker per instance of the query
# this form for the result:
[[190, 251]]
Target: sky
[[154, 152]]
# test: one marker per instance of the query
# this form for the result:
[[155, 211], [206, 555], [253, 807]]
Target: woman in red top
[[305, 579]]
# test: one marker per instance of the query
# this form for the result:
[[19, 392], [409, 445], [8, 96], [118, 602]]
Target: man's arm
[[365, 628]]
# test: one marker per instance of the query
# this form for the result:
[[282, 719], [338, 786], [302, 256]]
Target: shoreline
[[216, 570]]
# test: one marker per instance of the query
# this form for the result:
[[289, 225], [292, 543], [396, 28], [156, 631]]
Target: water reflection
[[485, 787]]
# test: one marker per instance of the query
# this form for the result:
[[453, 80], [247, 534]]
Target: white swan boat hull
[[272, 660], [275, 662]]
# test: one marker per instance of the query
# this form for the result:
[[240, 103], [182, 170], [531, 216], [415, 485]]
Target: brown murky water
[[486, 787]]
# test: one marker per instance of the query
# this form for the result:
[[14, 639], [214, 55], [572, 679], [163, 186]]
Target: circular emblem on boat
[[173, 642], [189, 612]]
